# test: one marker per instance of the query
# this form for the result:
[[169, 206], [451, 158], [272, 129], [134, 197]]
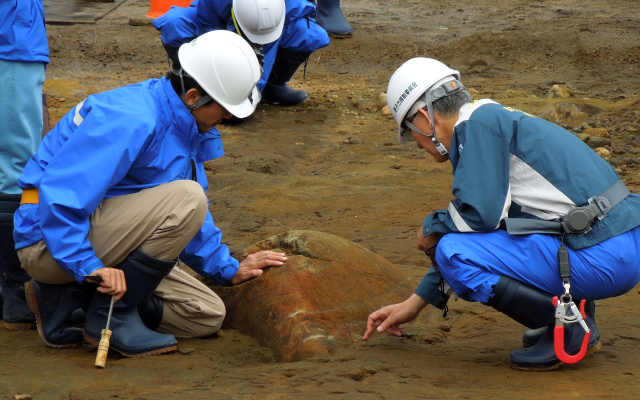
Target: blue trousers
[[471, 263], [20, 119]]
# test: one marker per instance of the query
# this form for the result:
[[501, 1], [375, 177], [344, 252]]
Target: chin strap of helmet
[[235, 23], [203, 100], [439, 146], [257, 48]]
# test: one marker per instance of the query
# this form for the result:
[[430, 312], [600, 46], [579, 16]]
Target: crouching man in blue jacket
[[283, 33], [117, 192], [536, 214]]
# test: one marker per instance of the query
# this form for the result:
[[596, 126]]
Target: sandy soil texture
[[333, 165]]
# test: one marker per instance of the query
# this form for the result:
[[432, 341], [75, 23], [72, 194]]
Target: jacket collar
[[182, 118], [181, 115]]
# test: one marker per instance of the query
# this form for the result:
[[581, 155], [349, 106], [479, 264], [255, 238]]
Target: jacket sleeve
[[96, 147], [480, 184], [429, 289], [206, 255], [213, 15], [178, 26]]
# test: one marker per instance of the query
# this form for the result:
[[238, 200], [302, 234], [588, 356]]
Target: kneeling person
[[519, 181], [116, 193]]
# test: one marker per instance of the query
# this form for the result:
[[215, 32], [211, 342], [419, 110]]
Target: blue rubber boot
[[277, 89], [151, 312], [534, 309], [130, 336], [330, 16], [15, 311], [57, 309]]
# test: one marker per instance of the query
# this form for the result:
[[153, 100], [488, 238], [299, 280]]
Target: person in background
[[332, 19], [24, 54], [282, 33]]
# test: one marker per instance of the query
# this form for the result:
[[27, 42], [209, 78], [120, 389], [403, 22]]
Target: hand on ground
[[113, 281], [252, 266], [388, 319]]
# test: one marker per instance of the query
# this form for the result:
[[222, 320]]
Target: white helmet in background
[[261, 21], [226, 67], [411, 81]]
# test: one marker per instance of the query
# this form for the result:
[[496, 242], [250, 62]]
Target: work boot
[[130, 336], [532, 336], [56, 307], [329, 16], [534, 309], [15, 311], [151, 312], [277, 89]]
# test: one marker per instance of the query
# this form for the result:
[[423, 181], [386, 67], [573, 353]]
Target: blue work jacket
[[509, 164], [112, 144], [182, 24], [23, 36]]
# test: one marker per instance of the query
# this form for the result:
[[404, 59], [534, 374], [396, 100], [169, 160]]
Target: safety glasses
[[408, 127]]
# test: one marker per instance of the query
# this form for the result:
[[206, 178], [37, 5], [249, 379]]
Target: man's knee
[[198, 322], [445, 250], [190, 201]]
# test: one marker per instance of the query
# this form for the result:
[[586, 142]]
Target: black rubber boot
[[534, 309], [532, 336], [151, 312], [55, 308], [277, 90], [330, 16], [15, 311], [130, 336]]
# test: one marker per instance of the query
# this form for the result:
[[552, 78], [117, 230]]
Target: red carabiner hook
[[558, 340]]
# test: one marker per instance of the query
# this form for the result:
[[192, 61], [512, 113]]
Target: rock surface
[[564, 113], [318, 300]]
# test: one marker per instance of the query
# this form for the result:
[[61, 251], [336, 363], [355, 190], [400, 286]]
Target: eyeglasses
[[408, 127]]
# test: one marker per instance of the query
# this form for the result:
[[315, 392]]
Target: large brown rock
[[318, 300], [564, 113]]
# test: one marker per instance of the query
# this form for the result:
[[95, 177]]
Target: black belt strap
[[613, 196], [616, 193]]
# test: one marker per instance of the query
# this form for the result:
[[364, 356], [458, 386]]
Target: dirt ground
[[333, 165]]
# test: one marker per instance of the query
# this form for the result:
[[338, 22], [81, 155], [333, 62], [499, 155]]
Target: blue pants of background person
[[20, 119], [471, 263]]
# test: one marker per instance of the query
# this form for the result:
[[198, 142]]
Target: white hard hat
[[410, 82], [226, 67], [261, 21]]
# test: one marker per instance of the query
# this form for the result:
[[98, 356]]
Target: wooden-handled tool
[[103, 347]]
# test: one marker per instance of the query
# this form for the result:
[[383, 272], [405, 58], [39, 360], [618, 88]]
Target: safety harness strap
[[597, 207], [616, 193]]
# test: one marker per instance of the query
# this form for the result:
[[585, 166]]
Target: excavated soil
[[333, 165]]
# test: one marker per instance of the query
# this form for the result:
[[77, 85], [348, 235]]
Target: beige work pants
[[162, 221]]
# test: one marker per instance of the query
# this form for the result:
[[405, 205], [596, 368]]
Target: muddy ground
[[333, 164]]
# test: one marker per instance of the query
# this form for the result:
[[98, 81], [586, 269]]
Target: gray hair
[[448, 106]]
